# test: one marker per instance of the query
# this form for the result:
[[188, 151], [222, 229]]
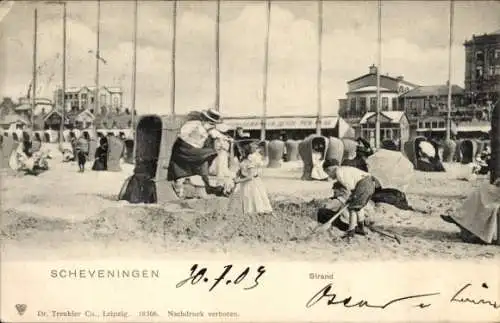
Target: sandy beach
[[63, 214]]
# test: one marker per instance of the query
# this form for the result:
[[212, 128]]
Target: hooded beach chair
[[306, 153], [468, 150], [155, 137], [8, 146], [412, 152], [115, 152], [292, 150], [276, 151]]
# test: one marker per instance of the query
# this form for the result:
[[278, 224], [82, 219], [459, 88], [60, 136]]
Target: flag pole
[[448, 116], [173, 58], [379, 63], [63, 113], [35, 34], [97, 56], [266, 73], [217, 58], [320, 68], [134, 69]]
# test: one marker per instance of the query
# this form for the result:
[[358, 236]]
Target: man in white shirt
[[361, 185], [193, 151]]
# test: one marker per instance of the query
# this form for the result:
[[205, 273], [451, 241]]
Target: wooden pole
[[63, 113], [134, 68], [448, 116], [320, 68], [495, 143], [379, 63], [266, 73], [217, 58], [34, 83], [173, 58], [97, 56]]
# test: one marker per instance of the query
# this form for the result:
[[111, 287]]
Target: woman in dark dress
[[101, 155]]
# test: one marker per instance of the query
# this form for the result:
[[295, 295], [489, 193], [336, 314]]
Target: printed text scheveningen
[[92, 273]]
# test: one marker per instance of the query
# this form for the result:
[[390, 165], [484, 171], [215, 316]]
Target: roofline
[[368, 91], [418, 96], [50, 113], [386, 76]]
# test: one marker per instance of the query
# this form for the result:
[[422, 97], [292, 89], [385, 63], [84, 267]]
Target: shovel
[[385, 234], [325, 226]]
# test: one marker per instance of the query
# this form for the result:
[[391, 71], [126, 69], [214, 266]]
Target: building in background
[[361, 99], [83, 98], [291, 127], [394, 126], [482, 69]]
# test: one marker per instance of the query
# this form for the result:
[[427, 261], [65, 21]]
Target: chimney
[[373, 69]]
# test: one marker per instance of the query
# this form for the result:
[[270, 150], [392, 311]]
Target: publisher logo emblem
[[21, 308]]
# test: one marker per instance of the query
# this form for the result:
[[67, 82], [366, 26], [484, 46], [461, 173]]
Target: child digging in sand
[[254, 197], [361, 185]]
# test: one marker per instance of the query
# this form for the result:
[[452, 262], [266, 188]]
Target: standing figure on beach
[[254, 197], [101, 155], [82, 151]]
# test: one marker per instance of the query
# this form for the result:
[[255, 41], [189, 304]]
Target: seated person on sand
[[478, 219], [482, 162], [193, 152], [361, 185], [317, 172]]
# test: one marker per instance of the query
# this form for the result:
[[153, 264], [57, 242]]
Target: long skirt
[[187, 160]]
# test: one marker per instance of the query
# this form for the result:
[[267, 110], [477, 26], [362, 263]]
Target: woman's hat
[[212, 115]]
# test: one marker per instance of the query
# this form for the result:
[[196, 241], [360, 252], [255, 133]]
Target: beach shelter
[[93, 143], [350, 147], [306, 153], [115, 152], [449, 151], [276, 151], [468, 150], [128, 154], [50, 136], [8, 147], [155, 136], [292, 150], [411, 151], [335, 149]]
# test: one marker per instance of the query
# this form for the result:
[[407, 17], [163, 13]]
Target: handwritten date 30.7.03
[[227, 276]]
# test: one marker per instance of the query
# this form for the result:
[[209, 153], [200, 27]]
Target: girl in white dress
[[254, 197]]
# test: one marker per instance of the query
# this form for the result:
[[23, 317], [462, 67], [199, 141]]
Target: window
[[420, 124], [491, 70], [441, 124], [497, 54], [497, 70], [362, 105], [395, 105], [385, 103], [373, 104], [395, 133], [479, 55], [352, 107], [434, 124], [427, 125]]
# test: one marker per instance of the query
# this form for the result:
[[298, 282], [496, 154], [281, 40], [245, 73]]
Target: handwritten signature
[[327, 293]]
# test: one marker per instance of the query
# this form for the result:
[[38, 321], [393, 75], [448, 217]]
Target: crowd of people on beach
[[206, 146]]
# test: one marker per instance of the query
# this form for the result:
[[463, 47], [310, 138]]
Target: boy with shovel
[[361, 186]]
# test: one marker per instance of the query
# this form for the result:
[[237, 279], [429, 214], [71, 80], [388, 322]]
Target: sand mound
[[20, 224]]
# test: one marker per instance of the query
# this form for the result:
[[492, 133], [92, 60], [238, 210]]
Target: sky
[[415, 36]]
